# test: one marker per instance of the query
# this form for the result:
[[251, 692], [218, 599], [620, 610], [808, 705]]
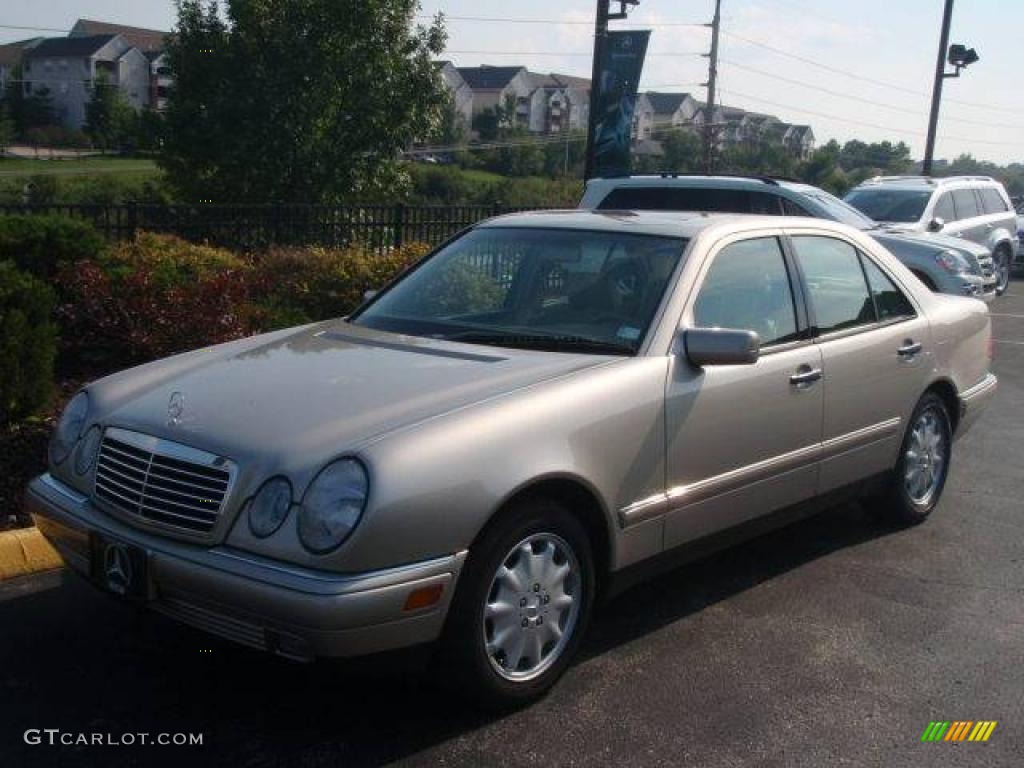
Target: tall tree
[[109, 118], [298, 100]]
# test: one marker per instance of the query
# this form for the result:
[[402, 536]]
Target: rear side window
[[992, 201], [966, 203], [680, 199], [835, 282], [944, 207], [747, 288], [890, 302]]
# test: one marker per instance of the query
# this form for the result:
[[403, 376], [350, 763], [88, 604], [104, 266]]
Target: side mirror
[[721, 346], [367, 295], [936, 224]]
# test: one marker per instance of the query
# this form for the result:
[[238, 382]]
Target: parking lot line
[[1007, 341], [1005, 314]]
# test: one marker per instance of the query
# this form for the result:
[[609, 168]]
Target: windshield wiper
[[544, 342]]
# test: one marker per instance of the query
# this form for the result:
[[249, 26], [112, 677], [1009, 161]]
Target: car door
[[970, 219], [875, 350], [743, 440]]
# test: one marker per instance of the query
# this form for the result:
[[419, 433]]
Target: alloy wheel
[[532, 607], [925, 457]]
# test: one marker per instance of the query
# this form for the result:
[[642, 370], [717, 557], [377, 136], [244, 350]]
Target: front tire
[[1004, 268], [522, 605], [923, 466]]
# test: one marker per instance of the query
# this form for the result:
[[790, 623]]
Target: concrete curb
[[24, 551]]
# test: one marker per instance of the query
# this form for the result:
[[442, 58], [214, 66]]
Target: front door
[[743, 440], [876, 352]]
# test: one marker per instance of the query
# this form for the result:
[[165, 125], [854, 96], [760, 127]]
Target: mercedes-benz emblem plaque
[[175, 409], [117, 568]]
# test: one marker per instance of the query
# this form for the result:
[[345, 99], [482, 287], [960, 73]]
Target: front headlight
[[270, 507], [332, 506], [69, 428], [953, 262]]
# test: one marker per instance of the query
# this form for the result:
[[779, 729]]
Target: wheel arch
[[946, 390], [581, 499]]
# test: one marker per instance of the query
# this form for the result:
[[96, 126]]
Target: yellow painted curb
[[24, 551]]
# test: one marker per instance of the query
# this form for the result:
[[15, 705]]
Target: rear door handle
[[909, 348], [805, 377]]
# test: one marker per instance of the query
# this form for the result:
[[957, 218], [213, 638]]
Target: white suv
[[974, 208]]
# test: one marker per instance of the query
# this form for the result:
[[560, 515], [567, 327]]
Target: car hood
[[317, 391], [934, 239]]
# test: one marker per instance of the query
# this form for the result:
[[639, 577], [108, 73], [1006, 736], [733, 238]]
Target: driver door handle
[[909, 349], [805, 377]]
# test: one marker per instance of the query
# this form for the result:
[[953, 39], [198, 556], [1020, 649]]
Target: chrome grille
[[161, 481], [987, 267]]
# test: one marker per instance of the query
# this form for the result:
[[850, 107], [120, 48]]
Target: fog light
[[424, 597]]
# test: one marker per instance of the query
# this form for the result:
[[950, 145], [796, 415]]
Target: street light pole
[[940, 76]]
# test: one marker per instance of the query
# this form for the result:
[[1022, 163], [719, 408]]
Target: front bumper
[[973, 402], [293, 611]]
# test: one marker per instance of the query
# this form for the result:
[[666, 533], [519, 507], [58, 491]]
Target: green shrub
[[28, 343], [294, 285], [41, 245]]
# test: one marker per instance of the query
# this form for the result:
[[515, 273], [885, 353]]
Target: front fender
[[438, 483]]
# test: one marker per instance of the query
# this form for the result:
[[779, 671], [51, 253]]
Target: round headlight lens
[[333, 505], [953, 262], [270, 507], [87, 450], [69, 428]]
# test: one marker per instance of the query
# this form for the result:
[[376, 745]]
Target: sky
[[860, 69]]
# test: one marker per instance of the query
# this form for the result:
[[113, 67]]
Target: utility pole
[[709, 112], [940, 76], [600, 37]]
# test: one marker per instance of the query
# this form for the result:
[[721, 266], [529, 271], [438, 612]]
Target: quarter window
[[890, 302], [747, 288], [835, 282], [966, 203]]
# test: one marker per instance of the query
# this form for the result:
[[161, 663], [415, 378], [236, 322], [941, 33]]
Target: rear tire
[[920, 474], [527, 591]]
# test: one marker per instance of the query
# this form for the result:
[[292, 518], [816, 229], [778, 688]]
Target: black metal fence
[[381, 227]]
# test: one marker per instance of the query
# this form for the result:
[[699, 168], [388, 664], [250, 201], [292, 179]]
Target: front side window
[[966, 203], [835, 283], [747, 288], [552, 289], [904, 206], [944, 207]]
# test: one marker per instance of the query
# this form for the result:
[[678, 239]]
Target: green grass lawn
[[85, 166]]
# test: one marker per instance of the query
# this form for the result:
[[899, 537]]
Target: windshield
[[840, 211], [552, 289], [900, 205]]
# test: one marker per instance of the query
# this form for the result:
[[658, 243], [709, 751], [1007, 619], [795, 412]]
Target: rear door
[[743, 440], [970, 218], [875, 350]]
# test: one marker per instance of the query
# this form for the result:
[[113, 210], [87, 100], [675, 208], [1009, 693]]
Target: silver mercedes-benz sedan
[[544, 409]]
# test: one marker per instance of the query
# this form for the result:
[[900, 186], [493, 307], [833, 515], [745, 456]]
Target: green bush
[[296, 285], [28, 343], [41, 245]]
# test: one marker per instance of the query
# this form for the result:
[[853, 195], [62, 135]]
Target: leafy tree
[[109, 118], [298, 100], [27, 112], [684, 152], [6, 128]]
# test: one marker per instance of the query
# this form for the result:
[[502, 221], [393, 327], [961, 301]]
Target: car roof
[[690, 180], [684, 224], [926, 182]]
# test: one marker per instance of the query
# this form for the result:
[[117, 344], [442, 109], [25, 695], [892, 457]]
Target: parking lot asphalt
[[832, 642]]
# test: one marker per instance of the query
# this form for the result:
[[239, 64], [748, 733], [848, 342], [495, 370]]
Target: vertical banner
[[614, 100]]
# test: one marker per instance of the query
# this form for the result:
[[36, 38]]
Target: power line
[[554, 22], [863, 78], [32, 29], [862, 123], [588, 54], [869, 102]]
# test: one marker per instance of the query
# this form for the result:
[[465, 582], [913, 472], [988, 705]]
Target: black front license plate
[[119, 568]]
